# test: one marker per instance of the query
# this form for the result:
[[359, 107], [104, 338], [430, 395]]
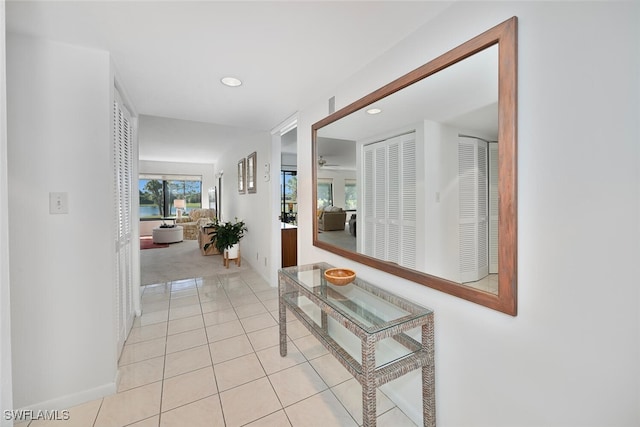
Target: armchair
[[332, 218], [191, 224]]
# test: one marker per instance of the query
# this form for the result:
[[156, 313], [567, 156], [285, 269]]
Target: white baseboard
[[71, 400]]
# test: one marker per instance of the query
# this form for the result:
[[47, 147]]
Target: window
[[289, 196], [157, 193], [325, 193], [350, 195]]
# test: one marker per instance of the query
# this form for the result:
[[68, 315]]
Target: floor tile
[[310, 347], [153, 317], [295, 330], [216, 305], [185, 324], [79, 416], [202, 413], [130, 406], [267, 295], [277, 419], [138, 352], [146, 333], [350, 395], [272, 361], [230, 348], [250, 309], [235, 372], [296, 383], [320, 410], [187, 388], [271, 305], [224, 330], [149, 422], [395, 418], [243, 299], [186, 361], [264, 338], [186, 300], [331, 371], [150, 307], [185, 340], [255, 323], [262, 398], [186, 311], [217, 317], [141, 373]]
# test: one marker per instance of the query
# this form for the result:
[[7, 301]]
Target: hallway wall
[[59, 102], [570, 357]]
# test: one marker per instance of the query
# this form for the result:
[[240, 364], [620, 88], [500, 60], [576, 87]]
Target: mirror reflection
[[412, 179]]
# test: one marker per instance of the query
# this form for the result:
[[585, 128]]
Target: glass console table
[[366, 328]]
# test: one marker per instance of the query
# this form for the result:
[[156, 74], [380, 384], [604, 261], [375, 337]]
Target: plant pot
[[232, 253]]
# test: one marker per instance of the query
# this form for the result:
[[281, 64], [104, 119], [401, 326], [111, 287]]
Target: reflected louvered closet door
[[389, 195], [473, 213], [493, 208]]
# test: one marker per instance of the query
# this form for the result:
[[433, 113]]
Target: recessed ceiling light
[[373, 111], [231, 81]]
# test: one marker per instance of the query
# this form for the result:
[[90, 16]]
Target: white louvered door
[[389, 195], [122, 167], [493, 208], [473, 214]]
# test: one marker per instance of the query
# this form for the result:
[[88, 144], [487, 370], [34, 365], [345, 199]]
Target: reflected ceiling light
[[231, 81], [373, 111]]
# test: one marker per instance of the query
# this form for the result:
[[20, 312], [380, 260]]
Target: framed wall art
[[242, 176], [252, 161]]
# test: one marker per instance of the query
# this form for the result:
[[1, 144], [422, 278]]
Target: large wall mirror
[[419, 177]]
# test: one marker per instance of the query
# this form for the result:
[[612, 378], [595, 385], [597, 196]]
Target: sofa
[[194, 220], [331, 218]]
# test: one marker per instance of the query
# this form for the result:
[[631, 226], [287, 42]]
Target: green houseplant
[[226, 234]]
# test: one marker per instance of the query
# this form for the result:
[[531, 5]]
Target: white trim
[[274, 176], [71, 400], [286, 125]]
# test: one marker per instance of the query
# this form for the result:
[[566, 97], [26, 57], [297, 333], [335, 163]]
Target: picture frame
[[242, 176], [252, 175]]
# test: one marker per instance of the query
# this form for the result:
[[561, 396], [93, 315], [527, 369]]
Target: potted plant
[[225, 236]]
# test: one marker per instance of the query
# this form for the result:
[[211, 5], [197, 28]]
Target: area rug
[[182, 260], [146, 242]]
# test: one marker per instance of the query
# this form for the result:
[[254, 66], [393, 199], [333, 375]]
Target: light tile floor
[[205, 352]]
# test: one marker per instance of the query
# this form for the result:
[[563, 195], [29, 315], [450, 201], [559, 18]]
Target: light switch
[[58, 203]]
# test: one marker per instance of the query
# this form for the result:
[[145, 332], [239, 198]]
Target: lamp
[[179, 204]]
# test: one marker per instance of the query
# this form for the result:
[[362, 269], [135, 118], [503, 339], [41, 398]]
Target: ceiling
[[171, 55]]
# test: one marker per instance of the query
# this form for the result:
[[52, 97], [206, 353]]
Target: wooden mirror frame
[[505, 35]]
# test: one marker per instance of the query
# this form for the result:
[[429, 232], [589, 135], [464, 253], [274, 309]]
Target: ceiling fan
[[323, 162]]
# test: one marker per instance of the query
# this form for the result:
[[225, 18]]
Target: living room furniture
[[332, 218], [352, 225], [379, 319], [204, 237], [168, 234], [194, 220], [289, 243]]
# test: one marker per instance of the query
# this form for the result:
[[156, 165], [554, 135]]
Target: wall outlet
[[58, 203]]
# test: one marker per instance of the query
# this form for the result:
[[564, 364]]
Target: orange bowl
[[339, 276]]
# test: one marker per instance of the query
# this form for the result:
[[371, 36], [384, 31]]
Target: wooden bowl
[[339, 276]]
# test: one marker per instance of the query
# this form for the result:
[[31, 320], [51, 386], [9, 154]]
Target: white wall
[[62, 266], [570, 357], [255, 208], [6, 394]]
